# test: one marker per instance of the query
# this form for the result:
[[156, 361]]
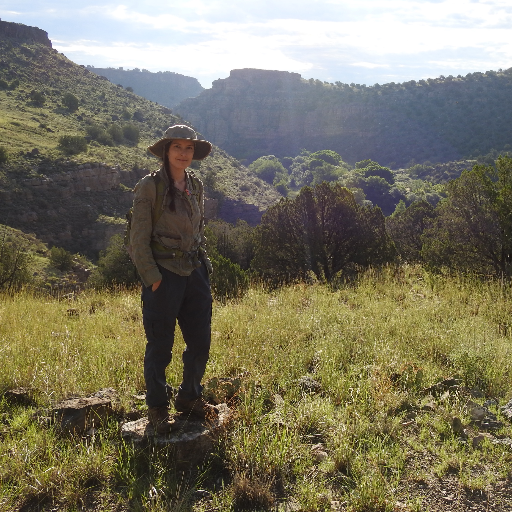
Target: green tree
[[328, 156], [472, 229], [115, 267], [70, 101], [323, 231], [99, 134], [235, 242], [131, 132], [267, 167], [116, 132], [37, 98], [14, 264], [406, 228], [72, 144], [61, 259]]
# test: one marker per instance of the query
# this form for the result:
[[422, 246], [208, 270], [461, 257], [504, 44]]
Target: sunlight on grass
[[340, 371]]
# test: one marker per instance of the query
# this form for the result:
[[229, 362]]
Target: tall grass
[[341, 371]]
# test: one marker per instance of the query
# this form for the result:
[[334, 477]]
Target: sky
[[350, 41]]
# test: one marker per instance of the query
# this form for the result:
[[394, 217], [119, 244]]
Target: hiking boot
[[160, 420], [196, 407]]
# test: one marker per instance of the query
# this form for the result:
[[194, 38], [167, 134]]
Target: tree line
[[324, 234]]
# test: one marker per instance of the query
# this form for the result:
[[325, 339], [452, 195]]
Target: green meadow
[[338, 407]]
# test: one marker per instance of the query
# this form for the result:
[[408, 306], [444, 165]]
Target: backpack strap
[[158, 209]]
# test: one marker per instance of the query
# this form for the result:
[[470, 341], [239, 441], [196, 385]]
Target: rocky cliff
[[79, 208], [24, 33], [255, 112]]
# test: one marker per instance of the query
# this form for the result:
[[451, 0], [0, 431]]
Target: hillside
[[78, 199], [166, 88], [254, 112]]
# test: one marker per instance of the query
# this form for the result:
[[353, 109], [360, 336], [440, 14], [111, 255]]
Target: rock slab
[[191, 442]]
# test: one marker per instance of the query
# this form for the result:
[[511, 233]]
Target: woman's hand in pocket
[[154, 286]]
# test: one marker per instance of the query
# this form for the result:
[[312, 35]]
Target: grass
[[372, 348]]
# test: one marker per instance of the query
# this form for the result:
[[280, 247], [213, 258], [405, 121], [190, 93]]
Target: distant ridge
[[258, 112], [166, 88], [24, 33]]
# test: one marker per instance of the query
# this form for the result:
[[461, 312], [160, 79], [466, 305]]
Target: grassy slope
[[373, 347], [25, 126]]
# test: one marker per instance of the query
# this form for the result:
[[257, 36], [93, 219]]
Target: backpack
[[157, 210]]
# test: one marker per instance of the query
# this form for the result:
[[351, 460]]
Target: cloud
[[366, 41]]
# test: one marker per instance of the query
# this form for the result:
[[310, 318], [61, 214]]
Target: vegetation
[[397, 124], [472, 229], [324, 232], [69, 102], [166, 88], [338, 405]]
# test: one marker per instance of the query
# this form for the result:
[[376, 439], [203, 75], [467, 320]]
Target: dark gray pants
[[187, 299]]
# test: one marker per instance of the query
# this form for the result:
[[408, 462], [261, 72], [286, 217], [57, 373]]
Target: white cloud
[[327, 39]]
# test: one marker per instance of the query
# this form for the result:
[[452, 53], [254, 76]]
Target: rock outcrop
[[256, 112], [24, 33]]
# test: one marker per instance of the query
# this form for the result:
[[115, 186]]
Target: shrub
[[4, 84], [72, 144], [61, 259], [131, 133], [14, 84], [114, 266], [70, 101], [4, 155], [228, 280], [99, 134], [37, 98], [116, 132]]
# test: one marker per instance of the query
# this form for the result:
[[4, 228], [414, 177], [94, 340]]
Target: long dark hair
[[167, 169]]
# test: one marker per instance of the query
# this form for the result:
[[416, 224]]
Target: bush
[[72, 144], [228, 280], [4, 84], [37, 98], [114, 266], [61, 259], [131, 133], [99, 134], [116, 132], [4, 155], [70, 101]]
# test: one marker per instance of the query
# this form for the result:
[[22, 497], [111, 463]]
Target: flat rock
[[19, 396], [78, 415], [191, 442]]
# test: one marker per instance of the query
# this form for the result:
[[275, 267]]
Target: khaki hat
[[180, 131]]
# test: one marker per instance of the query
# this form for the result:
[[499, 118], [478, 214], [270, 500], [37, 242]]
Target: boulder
[[78, 415], [190, 444]]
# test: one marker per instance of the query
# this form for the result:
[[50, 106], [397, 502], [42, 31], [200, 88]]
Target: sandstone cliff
[[24, 33], [254, 112]]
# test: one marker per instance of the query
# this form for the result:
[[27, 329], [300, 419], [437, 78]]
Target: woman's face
[[180, 154]]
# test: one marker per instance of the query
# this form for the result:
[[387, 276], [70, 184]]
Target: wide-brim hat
[[202, 147]]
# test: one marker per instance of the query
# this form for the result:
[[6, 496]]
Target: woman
[[168, 251]]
